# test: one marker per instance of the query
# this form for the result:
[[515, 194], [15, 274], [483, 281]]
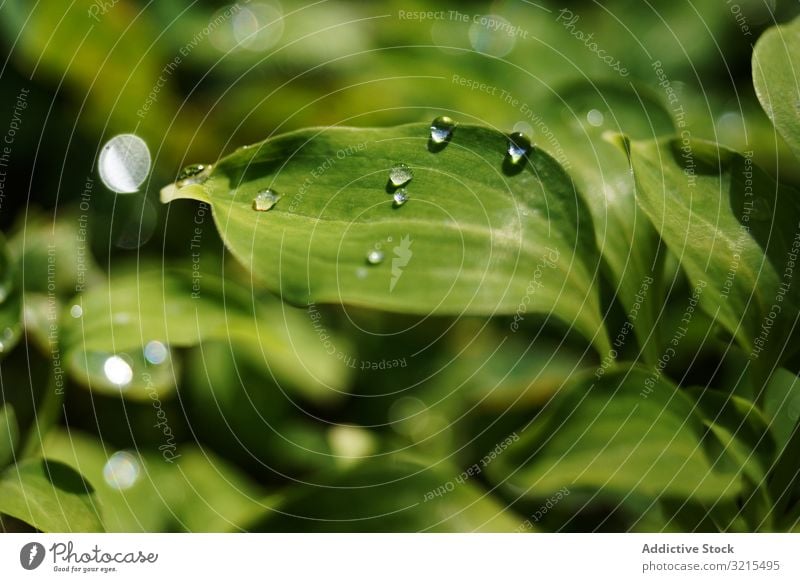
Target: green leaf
[[195, 492], [479, 235], [50, 496], [10, 300], [582, 120], [776, 78], [391, 494], [782, 405], [740, 428], [177, 309], [9, 434], [53, 253], [732, 227], [630, 432]]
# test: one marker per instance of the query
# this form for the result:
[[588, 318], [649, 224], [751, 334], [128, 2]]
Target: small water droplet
[[400, 197], [124, 163], [442, 129], [595, 117], [518, 146], [121, 471], [375, 257], [265, 200], [155, 352], [400, 174], [76, 311], [118, 371], [194, 174]]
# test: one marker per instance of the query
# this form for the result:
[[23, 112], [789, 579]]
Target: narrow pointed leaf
[[733, 229]]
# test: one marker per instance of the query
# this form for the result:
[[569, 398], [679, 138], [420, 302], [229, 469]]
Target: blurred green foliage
[[129, 405]]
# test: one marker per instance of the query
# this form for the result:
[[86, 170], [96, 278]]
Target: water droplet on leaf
[[265, 200], [518, 146], [400, 174], [375, 257], [76, 311], [400, 197], [442, 129], [194, 174]]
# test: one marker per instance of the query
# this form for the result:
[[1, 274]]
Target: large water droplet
[[124, 163], [400, 174], [518, 146], [400, 197], [121, 470], [265, 200], [193, 174], [442, 129], [375, 257], [76, 311], [118, 371]]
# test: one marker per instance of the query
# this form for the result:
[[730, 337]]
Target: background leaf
[[50, 496], [731, 226], [615, 437], [391, 496], [9, 434], [177, 309], [776, 74]]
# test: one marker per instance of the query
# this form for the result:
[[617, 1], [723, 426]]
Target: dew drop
[[193, 174], [375, 257], [265, 200], [76, 311], [400, 197], [442, 129], [124, 163], [518, 146], [121, 471], [400, 174]]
